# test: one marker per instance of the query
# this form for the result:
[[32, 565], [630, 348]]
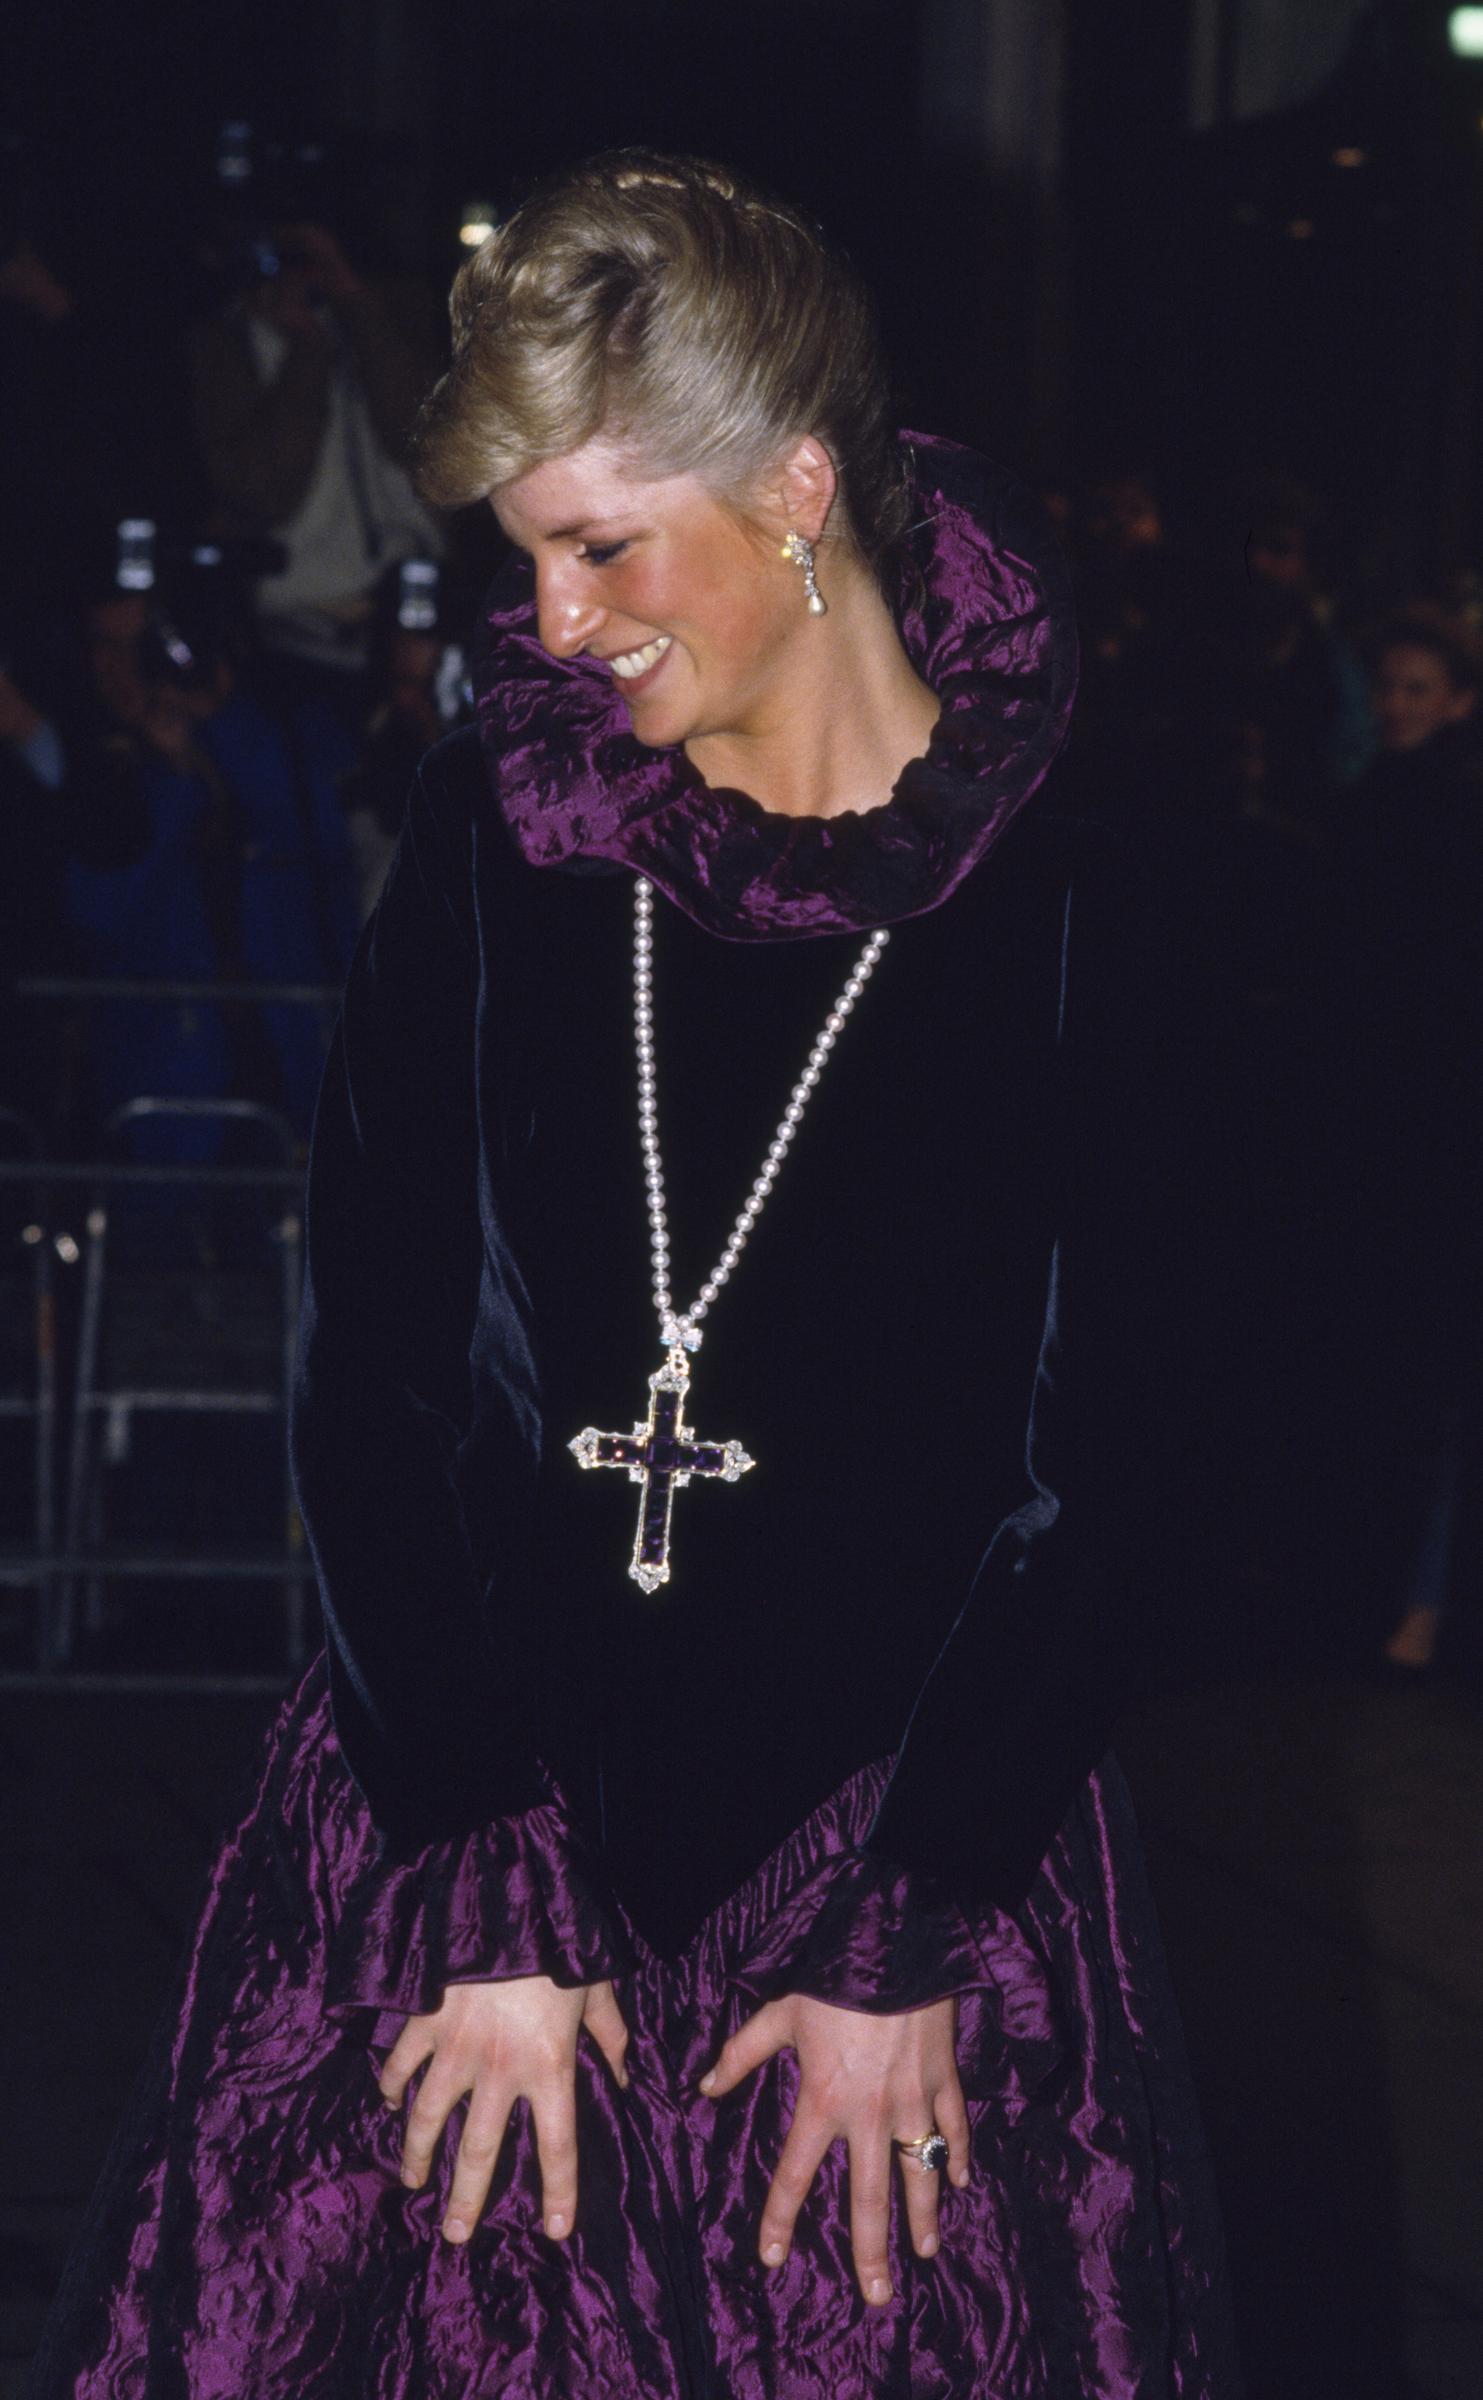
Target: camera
[[423, 605], [199, 598], [263, 184]]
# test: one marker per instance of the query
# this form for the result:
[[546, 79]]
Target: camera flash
[[478, 223], [135, 569]]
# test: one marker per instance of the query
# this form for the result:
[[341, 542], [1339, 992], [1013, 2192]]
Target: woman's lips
[[629, 684]]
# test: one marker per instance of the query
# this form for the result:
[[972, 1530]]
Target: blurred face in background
[[1125, 513], [1413, 696], [115, 639], [412, 679], [1278, 554]]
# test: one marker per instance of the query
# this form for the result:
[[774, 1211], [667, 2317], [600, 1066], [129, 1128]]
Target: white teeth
[[637, 662]]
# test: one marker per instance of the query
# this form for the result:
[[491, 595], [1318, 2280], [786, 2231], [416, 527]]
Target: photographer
[[303, 390], [241, 868], [418, 694], [60, 809]]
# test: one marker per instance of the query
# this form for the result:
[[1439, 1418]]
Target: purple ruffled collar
[[992, 631]]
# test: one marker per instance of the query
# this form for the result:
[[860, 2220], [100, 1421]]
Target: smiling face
[[697, 618]]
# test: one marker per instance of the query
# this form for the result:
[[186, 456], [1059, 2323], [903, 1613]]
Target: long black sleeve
[[430, 1726], [1072, 1595]]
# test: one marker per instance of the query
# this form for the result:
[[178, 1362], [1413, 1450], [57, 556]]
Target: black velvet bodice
[[874, 1350], [479, 1291], [951, 1343]]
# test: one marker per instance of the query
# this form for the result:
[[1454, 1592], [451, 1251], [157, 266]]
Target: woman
[[751, 1827], [1402, 1023]]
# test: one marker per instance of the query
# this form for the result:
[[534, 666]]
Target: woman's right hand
[[499, 2043]]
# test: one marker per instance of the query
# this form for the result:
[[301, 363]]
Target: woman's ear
[[801, 490]]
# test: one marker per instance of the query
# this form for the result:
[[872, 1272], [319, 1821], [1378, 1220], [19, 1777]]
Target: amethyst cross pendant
[[661, 1455]]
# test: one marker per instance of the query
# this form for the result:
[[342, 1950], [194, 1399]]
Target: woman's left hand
[[868, 2081]]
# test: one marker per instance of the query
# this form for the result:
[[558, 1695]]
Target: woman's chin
[[650, 728], [658, 722]]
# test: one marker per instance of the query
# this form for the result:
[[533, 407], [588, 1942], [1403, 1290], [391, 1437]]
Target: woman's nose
[[566, 617]]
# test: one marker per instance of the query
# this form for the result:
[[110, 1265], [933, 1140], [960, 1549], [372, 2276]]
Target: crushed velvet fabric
[[989, 1165], [864, 1754], [251, 2239], [988, 621]]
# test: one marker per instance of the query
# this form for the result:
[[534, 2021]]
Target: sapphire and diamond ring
[[929, 2150]]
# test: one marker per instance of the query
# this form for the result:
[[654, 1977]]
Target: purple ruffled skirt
[[250, 2238]]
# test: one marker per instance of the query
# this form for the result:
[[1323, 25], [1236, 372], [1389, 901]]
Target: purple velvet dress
[[250, 2238]]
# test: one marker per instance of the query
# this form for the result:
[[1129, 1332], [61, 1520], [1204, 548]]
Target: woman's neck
[[846, 715]]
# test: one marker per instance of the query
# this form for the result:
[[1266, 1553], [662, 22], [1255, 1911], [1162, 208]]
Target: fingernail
[[411, 2181], [961, 2177], [880, 2290], [929, 2247], [556, 2227], [773, 2254], [708, 2082], [455, 2228]]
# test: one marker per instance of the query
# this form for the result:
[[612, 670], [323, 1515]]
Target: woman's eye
[[599, 554]]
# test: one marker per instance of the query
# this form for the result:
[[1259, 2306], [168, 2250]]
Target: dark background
[[1200, 241], [1098, 235]]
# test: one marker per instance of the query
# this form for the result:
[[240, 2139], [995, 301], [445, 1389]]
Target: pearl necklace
[[661, 1454], [684, 1331]]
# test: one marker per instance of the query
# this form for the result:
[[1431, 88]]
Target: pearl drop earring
[[799, 552]]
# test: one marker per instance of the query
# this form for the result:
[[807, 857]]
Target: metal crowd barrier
[[67, 1560], [34, 1400], [134, 987]]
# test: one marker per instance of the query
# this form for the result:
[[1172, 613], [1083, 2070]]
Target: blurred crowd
[[1273, 692], [229, 628]]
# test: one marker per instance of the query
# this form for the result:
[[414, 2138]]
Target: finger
[[554, 2108], [412, 2048], [950, 2115], [473, 2172], [802, 2155], [426, 2118], [923, 2187], [603, 2019], [870, 2215], [759, 2038]]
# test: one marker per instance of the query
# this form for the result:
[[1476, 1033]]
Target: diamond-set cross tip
[[737, 1462], [583, 1446]]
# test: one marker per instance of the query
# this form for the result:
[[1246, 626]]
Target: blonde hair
[[701, 325]]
